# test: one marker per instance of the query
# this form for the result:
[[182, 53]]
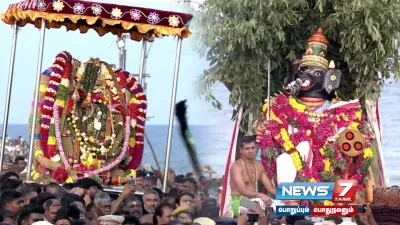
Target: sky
[[160, 65]]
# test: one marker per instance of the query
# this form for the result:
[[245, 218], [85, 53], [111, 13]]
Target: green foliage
[[239, 36]]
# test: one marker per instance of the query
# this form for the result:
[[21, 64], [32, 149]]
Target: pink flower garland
[[98, 171], [121, 155], [58, 136]]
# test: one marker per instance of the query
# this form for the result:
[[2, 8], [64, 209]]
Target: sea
[[213, 141]]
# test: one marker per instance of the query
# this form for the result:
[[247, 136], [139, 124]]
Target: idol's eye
[[317, 74]]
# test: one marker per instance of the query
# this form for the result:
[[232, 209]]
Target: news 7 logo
[[342, 191], [345, 191]]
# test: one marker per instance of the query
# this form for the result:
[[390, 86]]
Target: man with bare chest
[[245, 174]]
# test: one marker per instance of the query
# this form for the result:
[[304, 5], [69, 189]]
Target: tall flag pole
[[226, 199]]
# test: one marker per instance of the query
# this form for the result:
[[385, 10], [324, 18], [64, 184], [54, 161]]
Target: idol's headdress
[[316, 51]]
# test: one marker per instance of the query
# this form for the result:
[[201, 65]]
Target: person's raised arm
[[267, 183], [236, 176]]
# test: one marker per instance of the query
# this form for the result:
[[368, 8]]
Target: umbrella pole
[[142, 67], [35, 103], [8, 96], [172, 112]]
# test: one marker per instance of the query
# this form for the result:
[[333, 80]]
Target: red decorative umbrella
[[102, 17]]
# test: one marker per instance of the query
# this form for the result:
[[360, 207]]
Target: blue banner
[[305, 191], [293, 210]]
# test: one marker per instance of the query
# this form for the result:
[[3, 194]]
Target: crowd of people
[[86, 202], [188, 200]]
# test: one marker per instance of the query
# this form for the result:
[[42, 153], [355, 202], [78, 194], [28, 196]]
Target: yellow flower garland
[[368, 153], [287, 143], [296, 105], [272, 114], [327, 163]]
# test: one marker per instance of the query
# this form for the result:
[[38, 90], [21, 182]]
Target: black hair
[[74, 212], [159, 192], [159, 211], [178, 198], [179, 179], [335, 219], [62, 214], [6, 214], [53, 184], [8, 196], [69, 198], [27, 210], [192, 181], [177, 222], [19, 158], [131, 220], [44, 197], [276, 222], [32, 187], [246, 140], [7, 175], [121, 212], [78, 222], [33, 200], [87, 183], [140, 173], [131, 198], [68, 186], [10, 184], [291, 220]]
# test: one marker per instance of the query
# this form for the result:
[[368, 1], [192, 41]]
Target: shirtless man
[[245, 174]]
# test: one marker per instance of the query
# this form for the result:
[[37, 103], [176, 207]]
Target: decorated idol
[[311, 137], [90, 122]]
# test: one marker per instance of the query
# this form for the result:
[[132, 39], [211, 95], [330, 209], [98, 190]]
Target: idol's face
[[315, 76]]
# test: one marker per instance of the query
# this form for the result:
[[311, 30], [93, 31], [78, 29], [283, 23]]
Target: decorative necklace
[[248, 174]]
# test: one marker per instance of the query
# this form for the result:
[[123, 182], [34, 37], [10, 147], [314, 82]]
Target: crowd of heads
[[85, 202]]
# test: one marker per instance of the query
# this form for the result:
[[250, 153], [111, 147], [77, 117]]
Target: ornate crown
[[316, 51]]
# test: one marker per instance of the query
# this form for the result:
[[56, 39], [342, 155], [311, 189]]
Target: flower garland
[[326, 154], [100, 170], [138, 111], [57, 103], [49, 99], [61, 96]]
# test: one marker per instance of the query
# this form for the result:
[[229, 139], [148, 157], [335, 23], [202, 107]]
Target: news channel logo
[[342, 191]]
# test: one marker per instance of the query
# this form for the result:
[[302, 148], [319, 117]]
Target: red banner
[[342, 211]]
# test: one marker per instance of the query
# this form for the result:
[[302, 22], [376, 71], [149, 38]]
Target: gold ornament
[[351, 142]]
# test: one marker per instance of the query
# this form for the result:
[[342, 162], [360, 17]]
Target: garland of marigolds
[[328, 161], [71, 147]]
